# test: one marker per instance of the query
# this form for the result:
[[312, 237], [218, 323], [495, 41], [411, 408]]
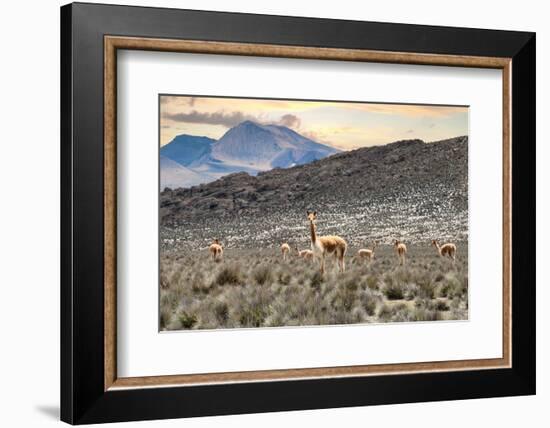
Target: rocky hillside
[[410, 190]]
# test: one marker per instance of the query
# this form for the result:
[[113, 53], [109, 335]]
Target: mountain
[[172, 174], [247, 147], [267, 146], [410, 190], [186, 149]]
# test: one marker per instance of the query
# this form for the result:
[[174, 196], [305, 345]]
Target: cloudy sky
[[343, 125]]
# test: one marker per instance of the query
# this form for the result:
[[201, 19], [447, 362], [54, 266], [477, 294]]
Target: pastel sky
[[344, 125]]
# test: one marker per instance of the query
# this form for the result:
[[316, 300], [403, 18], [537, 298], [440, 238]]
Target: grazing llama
[[305, 254], [401, 250], [323, 245], [445, 249], [366, 253], [216, 250], [285, 249]]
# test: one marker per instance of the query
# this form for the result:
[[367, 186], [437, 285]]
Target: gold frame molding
[[113, 43]]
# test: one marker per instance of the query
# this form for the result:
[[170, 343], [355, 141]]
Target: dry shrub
[[266, 291], [438, 305], [343, 299], [423, 314], [284, 278], [372, 282], [316, 280], [253, 308], [393, 313], [369, 301], [410, 291], [263, 274], [187, 320], [393, 291], [221, 311], [229, 275], [165, 317]]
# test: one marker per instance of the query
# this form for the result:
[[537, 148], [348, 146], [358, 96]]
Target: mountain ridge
[[248, 146]]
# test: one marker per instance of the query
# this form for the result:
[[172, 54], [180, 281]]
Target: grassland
[[256, 288]]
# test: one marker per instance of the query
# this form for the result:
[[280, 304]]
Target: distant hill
[[248, 147], [173, 173], [186, 149], [408, 189]]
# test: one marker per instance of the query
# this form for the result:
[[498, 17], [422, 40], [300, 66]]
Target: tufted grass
[[256, 288]]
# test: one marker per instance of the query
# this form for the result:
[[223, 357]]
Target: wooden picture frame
[[91, 390]]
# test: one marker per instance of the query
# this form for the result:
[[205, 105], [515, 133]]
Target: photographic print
[[281, 212]]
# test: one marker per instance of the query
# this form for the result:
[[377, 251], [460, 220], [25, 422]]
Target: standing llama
[[323, 245], [401, 251], [285, 249], [366, 254], [216, 250], [445, 249]]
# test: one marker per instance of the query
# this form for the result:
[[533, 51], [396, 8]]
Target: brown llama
[[216, 250], [285, 249], [323, 245], [448, 249], [400, 250], [366, 253], [305, 254]]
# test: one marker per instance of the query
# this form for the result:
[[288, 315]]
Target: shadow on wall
[[51, 411]]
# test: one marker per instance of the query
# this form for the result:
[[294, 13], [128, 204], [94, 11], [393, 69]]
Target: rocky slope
[[410, 190]]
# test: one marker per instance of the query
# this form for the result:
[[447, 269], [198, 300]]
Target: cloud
[[290, 121], [318, 137], [228, 119], [217, 118]]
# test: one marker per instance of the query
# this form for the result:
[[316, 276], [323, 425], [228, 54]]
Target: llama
[[445, 249], [366, 254], [401, 251], [285, 249], [305, 254], [216, 250], [323, 245]]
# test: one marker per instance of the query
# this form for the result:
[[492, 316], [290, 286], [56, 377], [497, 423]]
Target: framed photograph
[[266, 213]]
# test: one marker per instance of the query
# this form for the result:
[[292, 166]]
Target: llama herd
[[321, 246]]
